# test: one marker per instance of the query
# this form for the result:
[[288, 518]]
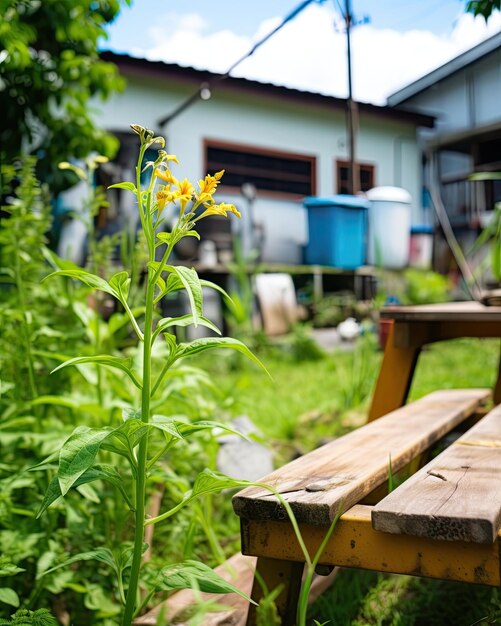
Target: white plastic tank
[[389, 227]]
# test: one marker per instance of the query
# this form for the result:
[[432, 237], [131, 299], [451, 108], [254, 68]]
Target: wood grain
[[339, 474], [457, 496], [451, 311]]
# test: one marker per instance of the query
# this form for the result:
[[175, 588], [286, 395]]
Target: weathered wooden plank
[[457, 496], [341, 473], [451, 311]]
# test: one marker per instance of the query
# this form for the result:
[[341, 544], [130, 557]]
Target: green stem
[[140, 480], [160, 378], [130, 603], [159, 454], [166, 515], [134, 323]]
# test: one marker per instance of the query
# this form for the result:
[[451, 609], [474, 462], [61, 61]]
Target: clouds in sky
[[310, 52]]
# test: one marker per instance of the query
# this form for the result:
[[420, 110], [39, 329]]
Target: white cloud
[[310, 52]]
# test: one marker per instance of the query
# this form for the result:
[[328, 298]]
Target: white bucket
[[389, 227]]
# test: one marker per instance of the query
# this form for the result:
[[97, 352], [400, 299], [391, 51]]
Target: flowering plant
[[77, 462]]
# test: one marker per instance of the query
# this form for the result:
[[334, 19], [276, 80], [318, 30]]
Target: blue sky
[[403, 40]]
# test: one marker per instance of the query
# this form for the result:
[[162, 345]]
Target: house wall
[[467, 99], [275, 123]]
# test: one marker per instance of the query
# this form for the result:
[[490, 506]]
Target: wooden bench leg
[[395, 377], [274, 573]]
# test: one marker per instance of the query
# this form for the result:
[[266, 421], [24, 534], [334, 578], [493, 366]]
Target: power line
[[203, 92]]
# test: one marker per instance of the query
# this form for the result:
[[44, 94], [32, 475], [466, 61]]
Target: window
[[270, 171], [367, 180]]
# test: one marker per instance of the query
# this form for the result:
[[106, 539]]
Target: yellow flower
[[220, 209], [208, 186], [166, 176], [167, 157], [184, 193], [164, 196]]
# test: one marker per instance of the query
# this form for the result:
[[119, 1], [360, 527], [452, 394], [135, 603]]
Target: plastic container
[[389, 227], [337, 231], [421, 247]]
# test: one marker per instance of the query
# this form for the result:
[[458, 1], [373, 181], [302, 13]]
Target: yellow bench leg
[[273, 572]]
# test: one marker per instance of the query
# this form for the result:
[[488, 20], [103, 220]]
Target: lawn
[[310, 402]]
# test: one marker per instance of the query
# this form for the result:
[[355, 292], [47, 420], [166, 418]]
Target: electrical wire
[[206, 86]]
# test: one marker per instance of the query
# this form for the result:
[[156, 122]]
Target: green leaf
[[74, 403], [9, 596], [7, 568], [173, 283], [184, 320], [188, 428], [98, 472], [209, 481], [46, 463], [102, 555], [89, 493], [192, 233], [120, 283], [56, 262], [129, 414], [206, 482], [104, 359], [211, 285], [87, 278], [171, 340], [129, 433], [78, 454], [192, 574], [209, 343], [191, 282], [161, 284], [125, 185], [166, 424], [164, 237]]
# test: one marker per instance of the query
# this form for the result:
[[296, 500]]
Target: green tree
[[483, 7], [49, 70]]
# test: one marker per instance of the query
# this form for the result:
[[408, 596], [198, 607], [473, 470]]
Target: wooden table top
[[447, 312]]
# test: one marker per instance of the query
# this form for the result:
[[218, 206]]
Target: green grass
[[312, 401], [371, 599]]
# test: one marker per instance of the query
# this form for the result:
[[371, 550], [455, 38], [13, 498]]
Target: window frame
[[266, 152], [339, 163]]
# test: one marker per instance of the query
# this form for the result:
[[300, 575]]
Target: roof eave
[[162, 69], [472, 55]]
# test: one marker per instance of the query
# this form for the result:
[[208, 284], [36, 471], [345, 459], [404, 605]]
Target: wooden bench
[[443, 522]]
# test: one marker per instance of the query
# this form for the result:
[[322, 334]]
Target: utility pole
[[352, 117]]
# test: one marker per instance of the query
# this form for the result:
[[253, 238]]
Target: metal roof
[[444, 71], [139, 66]]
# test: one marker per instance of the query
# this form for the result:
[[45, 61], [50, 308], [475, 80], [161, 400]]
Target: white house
[[464, 96], [288, 143]]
